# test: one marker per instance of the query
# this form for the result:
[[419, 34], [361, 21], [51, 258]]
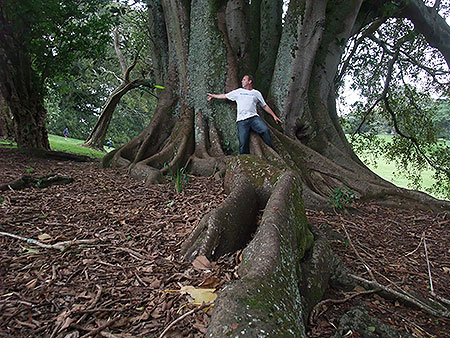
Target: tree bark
[[20, 90]]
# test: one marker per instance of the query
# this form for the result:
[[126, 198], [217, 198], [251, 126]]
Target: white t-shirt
[[246, 102]]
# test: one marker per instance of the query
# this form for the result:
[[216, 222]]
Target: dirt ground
[[122, 275]]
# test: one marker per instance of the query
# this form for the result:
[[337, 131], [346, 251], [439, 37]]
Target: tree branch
[[119, 53]]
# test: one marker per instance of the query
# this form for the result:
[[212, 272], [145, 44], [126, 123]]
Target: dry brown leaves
[[117, 285], [390, 243]]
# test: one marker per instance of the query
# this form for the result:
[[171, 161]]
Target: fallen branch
[[38, 182], [314, 313], [403, 296], [201, 307], [418, 246], [59, 246]]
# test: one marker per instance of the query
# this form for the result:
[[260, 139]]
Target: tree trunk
[[21, 91], [208, 50], [96, 139]]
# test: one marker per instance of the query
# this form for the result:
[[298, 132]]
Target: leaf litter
[[114, 284]]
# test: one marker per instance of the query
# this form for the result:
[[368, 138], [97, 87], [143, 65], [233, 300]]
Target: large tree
[[203, 46], [39, 40]]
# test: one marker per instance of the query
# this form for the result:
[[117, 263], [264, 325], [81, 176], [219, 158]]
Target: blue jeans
[[256, 124]]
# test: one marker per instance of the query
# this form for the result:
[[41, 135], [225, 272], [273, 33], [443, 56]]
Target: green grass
[[72, 145], [387, 170], [69, 145]]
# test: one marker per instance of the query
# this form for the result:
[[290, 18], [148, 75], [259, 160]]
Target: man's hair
[[250, 77]]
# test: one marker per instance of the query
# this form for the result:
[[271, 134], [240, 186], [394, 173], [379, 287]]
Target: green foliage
[[441, 118], [76, 100], [38, 183], [342, 197], [403, 104], [179, 178], [56, 33]]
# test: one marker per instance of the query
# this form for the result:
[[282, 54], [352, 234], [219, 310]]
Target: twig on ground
[[403, 296], [357, 254], [59, 246], [92, 303], [314, 313], [428, 265], [201, 307], [418, 246], [441, 299], [133, 253]]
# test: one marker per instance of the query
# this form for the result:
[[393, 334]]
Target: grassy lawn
[[387, 170], [72, 145], [69, 145]]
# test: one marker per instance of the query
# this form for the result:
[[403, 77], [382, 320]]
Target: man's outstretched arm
[[216, 96], [270, 111]]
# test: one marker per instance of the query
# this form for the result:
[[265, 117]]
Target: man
[[247, 116]]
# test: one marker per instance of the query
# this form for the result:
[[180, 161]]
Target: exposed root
[[432, 308], [227, 228], [266, 298]]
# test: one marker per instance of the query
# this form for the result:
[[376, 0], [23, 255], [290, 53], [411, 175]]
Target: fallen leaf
[[199, 295], [44, 237], [29, 250], [359, 288], [210, 282], [201, 263]]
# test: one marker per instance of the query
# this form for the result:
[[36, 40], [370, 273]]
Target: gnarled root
[[267, 299], [227, 228]]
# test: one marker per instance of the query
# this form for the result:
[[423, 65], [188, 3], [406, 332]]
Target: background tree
[[39, 40], [6, 121], [135, 44]]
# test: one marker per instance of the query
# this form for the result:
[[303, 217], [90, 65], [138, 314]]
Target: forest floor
[[127, 279]]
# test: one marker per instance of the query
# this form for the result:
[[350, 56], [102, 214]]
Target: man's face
[[245, 81]]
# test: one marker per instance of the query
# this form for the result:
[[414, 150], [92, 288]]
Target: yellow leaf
[[200, 295]]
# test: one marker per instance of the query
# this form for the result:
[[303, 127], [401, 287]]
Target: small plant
[[39, 183], [342, 198], [180, 177], [29, 170]]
